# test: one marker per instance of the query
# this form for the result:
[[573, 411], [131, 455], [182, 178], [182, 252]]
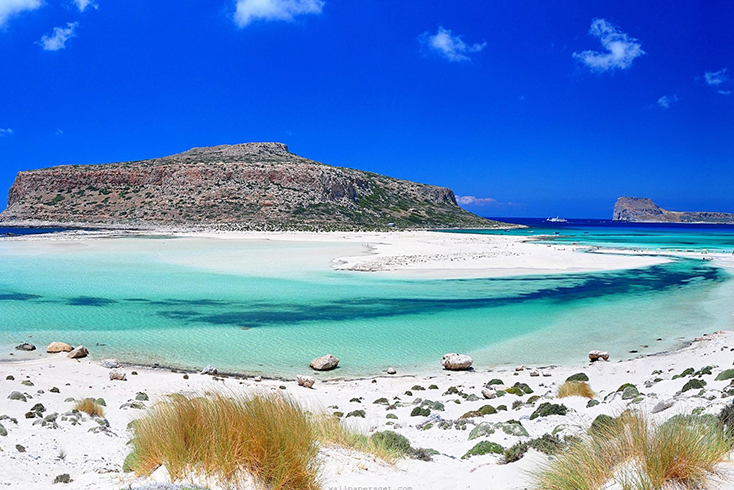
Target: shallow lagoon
[[269, 307]]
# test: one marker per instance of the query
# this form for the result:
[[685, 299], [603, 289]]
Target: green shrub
[[725, 375], [684, 373], [546, 408], [625, 386], [578, 377], [487, 410], [482, 448], [693, 384], [524, 387], [420, 412]]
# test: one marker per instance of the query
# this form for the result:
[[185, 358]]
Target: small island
[[644, 210]]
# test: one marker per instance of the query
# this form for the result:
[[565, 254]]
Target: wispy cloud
[[620, 50], [6, 131], [716, 78], [665, 102], [475, 201], [82, 5], [57, 39], [449, 46], [248, 11], [59, 132], [726, 92], [8, 8]]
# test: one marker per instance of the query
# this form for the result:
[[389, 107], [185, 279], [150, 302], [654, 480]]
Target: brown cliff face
[[643, 210], [246, 186]]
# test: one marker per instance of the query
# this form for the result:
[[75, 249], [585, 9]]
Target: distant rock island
[[643, 210], [250, 186]]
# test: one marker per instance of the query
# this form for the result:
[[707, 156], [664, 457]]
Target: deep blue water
[[616, 234]]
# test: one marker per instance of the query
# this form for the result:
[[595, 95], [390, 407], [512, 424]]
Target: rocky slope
[[641, 209], [245, 186]]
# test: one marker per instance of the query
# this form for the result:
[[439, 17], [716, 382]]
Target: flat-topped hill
[[642, 209], [244, 186]]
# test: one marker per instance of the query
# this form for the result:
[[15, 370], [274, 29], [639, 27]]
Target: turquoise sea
[[269, 307]]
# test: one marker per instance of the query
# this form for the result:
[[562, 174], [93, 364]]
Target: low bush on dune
[[269, 439], [637, 455], [386, 445], [575, 388], [90, 406]]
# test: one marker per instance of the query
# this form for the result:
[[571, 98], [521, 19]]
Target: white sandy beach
[[94, 459]]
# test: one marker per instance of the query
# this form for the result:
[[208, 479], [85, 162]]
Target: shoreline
[[102, 467]]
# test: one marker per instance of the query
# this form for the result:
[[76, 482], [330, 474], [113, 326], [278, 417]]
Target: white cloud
[[620, 50], [716, 77], [248, 11], [726, 92], [59, 132], [448, 46], [665, 101], [82, 5], [57, 39], [6, 132], [474, 201], [8, 8]]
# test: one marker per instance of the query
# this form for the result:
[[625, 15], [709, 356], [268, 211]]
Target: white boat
[[557, 219]]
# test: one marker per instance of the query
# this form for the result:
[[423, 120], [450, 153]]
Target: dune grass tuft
[[266, 438], [638, 455], [90, 407], [575, 388]]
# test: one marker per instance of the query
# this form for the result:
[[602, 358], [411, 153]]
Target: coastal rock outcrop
[[117, 376], [56, 347], [644, 210], [259, 186], [25, 346], [325, 363], [305, 381], [456, 362]]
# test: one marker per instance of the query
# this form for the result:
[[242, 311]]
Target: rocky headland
[[644, 210], [251, 186]]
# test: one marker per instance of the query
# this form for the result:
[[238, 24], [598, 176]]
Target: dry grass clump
[[575, 388], [637, 455], [266, 438], [90, 407]]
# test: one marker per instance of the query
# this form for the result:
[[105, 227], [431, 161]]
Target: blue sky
[[524, 108]]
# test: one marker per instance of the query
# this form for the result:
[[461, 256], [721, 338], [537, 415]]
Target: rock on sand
[[456, 362], [78, 353], [598, 355]]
